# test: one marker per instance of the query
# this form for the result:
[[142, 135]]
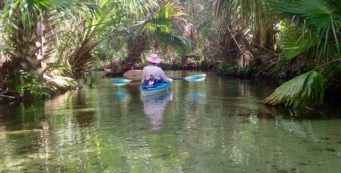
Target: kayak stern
[[154, 90]]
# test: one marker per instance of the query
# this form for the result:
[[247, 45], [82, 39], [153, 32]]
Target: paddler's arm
[[164, 77]]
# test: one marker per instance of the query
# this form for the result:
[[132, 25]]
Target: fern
[[306, 89]]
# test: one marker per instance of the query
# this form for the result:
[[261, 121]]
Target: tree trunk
[[30, 49], [81, 55]]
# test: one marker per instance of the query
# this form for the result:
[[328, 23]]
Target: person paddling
[[152, 74]]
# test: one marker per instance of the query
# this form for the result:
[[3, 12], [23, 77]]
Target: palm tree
[[243, 20], [105, 21], [155, 30], [29, 36], [94, 27], [41, 37]]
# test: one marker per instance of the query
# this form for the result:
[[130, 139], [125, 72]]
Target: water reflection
[[196, 96], [154, 107], [105, 129], [196, 92], [121, 95]]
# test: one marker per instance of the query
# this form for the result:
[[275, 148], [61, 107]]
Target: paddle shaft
[[174, 78]]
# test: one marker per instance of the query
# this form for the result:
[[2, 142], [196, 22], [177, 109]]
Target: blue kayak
[[195, 78], [120, 81], [151, 90]]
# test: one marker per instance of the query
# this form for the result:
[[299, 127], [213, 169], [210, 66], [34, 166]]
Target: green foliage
[[29, 11], [30, 33], [250, 17], [159, 28], [310, 31], [26, 8], [137, 8], [314, 28], [250, 71], [30, 86], [295, 42], [62, 68], [306, 89], [227, 68]]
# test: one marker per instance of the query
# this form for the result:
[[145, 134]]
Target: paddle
[[190, 78], [173, 78]]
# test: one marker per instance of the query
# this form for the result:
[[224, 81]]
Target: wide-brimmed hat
[[153, 58]]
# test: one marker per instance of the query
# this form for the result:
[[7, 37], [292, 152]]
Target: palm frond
[[315, 12], [164, 16], [249, 16], [169, 10], [159, 28], [245, 59], [180, 44], [319, 18], [296, 42], [306, 89], [227, 10], [31, 10]]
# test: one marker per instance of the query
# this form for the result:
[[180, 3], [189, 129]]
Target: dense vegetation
[[47, 45]]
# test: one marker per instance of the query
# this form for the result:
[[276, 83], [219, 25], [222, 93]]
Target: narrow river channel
[[218, 125]]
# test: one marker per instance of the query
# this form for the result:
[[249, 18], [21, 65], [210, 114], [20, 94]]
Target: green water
[[219, 125]]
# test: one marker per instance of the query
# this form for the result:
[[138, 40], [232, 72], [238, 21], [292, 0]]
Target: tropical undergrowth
[[296, 41], [310, 35], [49, 44], [31, 86]]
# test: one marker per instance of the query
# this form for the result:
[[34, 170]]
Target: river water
[[218, 125]]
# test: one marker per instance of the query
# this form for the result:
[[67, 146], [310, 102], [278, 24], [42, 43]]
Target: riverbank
[[256, 71], [276, 75], [31, 88]]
